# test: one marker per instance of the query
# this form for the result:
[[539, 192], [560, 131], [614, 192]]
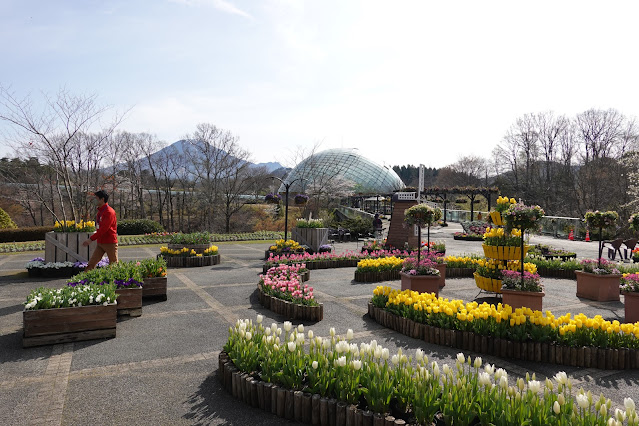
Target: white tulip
[[445, 369], [292, 346], [248, 335], [267, 331], [419, 354], [300, 328], [556, 408], [484, 379], [461, 358], [629, 404], [490, 369], [259, 318], [478, 362], [385, 353], [332, 331], [314, 365], [534, 386], [287, 326], [395, 359], [310, 335], [561, 398], [582, 400], [561, 378], [356, 364], [503, 382], [349, 334]]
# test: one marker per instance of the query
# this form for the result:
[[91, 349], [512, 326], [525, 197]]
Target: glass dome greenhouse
[[345, 168]]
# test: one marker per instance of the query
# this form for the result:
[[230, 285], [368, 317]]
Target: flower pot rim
[[598, 275], [409, 275], [531, 293]]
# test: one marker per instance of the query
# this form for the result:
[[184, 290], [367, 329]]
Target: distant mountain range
[[179, 147]]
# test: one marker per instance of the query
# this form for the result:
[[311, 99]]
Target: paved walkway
[[160, 370]]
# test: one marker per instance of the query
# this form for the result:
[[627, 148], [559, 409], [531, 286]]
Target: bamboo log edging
[[584, 356], [302, 407], [290, 310], [459, 272], [191, 261], [372, 277], [321, 264]]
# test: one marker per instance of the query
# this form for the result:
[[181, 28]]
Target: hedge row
[[35, 233]]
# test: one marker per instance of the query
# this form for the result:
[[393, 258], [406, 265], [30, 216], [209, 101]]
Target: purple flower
[[38, 259]]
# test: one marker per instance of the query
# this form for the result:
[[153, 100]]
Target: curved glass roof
[[345, 169]]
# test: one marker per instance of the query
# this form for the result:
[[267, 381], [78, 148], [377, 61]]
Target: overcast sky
[[402, 81]]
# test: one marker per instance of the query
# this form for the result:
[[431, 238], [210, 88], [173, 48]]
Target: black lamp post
[[287, 186]]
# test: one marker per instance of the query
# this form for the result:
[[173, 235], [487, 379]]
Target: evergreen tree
[[5, 221]]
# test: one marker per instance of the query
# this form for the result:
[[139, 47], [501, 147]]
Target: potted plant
[[273, 198], [601, 220], [598, 280], [518, 292], [524, 218], [300, 199], [69, 314], [64, 243], [420, 275], [503, 203], [630, 291], [310, 232], [422, 215], [503, 245], [154, 276]]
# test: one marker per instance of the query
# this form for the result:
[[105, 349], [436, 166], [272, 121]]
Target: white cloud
[[221, 5]]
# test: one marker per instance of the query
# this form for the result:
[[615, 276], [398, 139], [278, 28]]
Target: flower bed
[[380, 269], [189, 257], [333, 381], [127, 279], [38, 268], [517, 325], [154, 274], [462, 236], [330, 260], [69, 314], [281, 291]]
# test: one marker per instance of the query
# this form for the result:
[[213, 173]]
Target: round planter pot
[[523, 299], [421, 283], [504, 252], [199, 248], [487, 284], [602, 288]]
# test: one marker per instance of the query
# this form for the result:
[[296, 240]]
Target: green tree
[[5, 221]]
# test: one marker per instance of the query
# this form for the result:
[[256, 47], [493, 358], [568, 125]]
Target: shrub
[[138, 227], [35, 233], [193, 238], [5, 221]]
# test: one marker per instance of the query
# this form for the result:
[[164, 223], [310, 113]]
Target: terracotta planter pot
[[421, 283], [526, 299], [602, 288], [631, 306], [441, 267]]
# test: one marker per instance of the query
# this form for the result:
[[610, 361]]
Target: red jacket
[[107, 225]]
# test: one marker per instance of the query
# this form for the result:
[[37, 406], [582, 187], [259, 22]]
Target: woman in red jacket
[[106, 234]]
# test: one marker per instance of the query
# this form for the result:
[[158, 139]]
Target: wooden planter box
[[199, 248], [504, 252], [487, 284], [62, 325], [191, 261], [67, 246], [421, 283], [602, 288], [290, 310], [154, 288], [129, 301], [631, 306], [519, 299], [53, 272], [372, 277], [312, 237], [584, 356]]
